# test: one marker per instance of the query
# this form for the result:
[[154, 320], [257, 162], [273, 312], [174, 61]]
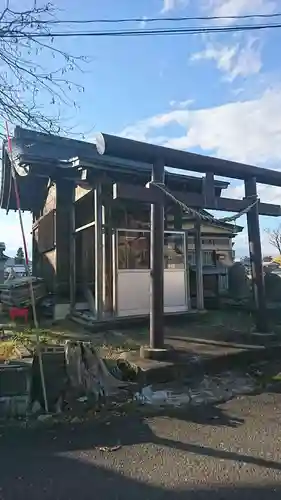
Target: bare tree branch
[[274, 238], [26, 87]]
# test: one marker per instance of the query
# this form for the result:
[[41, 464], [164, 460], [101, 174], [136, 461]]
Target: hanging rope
[[239, 214], [194, 213], [198, 215], [28, 273]]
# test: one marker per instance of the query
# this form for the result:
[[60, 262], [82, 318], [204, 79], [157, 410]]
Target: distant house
[[19, 269], [267, 259], [3, 260], [270, 262], [246, 261]]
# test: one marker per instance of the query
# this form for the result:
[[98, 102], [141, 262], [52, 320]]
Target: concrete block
[[61, 311], [15, 388]]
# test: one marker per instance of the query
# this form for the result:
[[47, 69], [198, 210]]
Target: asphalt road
[[228, 452]]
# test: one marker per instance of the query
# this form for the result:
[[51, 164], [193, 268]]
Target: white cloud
[[240, 59], [143, 22], [223, 8], [233, 60], [169, 5], [247, 131], [267, 194], [181, 104]]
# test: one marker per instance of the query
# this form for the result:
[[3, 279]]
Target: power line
[[140, 32], [150, 19]]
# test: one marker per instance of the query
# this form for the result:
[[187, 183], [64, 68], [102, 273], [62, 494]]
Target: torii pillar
[[157, 268], [256, 257]]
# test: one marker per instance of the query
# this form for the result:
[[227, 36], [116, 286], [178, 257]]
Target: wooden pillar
[[256, 257], [107, 259], [98, 210], [64, 205], [178, 218], [157, 265], [209, 189], [187, 271], [72, 255], [199, 267], [36, 258]]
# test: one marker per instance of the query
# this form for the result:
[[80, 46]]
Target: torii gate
[[159, 157]]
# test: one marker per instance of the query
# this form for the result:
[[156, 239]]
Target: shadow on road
[[126, 431], [46, 476], [203, 415]]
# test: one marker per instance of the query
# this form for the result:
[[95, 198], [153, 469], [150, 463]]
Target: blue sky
[[214, 94]]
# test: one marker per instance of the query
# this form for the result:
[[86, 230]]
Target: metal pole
[[157, 265], [199, 267], [256, 257], [98, 252]]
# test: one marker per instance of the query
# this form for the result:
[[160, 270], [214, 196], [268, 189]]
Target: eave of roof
[[216, 222], [35, 148], [34, 151]]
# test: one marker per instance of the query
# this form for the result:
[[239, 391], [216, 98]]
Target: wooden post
[[199, 267], [72, 254], [107, 260], [64, 204], [157, 265], [98, 252], [187, 274], [209, 189], [177, 218], [36, 258], [256, 257]]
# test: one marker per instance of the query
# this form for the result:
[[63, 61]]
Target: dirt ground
[[218, 327]]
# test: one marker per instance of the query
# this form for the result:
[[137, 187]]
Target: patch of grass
[[109, 351], [232, 320], [28, 337], [108, 346], [7, 350]]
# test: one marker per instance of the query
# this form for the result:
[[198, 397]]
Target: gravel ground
[[229, 451]]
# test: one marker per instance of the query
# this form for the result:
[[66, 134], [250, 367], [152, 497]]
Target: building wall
[[81, 190], [53, 263], [50, 203], [221, 245], [214, 238], [51, 238], [49, 257], [44, 243]]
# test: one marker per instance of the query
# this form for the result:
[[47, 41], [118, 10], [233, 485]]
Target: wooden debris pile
[[16, 293]]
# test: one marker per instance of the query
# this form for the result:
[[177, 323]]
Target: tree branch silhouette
[[30, 94], [274, 238]]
